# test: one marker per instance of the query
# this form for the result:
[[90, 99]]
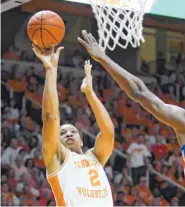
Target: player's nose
[[69, 134]]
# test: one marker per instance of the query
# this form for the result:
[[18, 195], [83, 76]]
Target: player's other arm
[[50, 109], [105, 140], [135, 88]]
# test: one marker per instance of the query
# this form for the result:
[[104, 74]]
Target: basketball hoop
[[120, 22]]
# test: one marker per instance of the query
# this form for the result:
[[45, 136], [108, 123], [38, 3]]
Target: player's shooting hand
[[86, 86], [48, 57], [91, 45]]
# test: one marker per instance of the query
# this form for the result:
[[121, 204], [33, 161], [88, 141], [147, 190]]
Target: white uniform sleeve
[[146, 151], [5, 157], [130, 149]]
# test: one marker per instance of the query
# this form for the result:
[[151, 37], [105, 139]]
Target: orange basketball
[[45, 28]]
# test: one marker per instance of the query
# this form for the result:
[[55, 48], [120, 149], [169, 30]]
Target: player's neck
[[79, 151]]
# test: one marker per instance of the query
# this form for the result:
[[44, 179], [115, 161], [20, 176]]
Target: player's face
[[70, 137]]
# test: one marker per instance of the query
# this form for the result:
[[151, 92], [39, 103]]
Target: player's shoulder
[[90, 153]]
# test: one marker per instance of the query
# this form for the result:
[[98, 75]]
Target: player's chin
[[71, 147]]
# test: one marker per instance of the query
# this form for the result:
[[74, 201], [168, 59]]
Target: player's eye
[[62, 133], [73, 131]]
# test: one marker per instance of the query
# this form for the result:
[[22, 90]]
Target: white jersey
[[81, 181]]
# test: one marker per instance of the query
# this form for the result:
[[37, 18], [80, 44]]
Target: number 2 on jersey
[[94, 178]]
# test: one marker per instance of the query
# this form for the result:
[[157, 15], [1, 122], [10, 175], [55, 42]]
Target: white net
[[120, 21]]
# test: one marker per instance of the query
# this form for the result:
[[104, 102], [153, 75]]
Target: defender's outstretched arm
[[105, 140], [171, 115]]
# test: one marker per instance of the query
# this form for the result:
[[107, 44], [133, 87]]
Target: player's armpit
[[171, 115], [51, 146], [104, 146]]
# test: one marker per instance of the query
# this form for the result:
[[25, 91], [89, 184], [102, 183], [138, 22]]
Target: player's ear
[[82, 144]]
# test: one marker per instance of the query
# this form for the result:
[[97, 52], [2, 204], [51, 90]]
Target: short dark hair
[[80, 132], [26, 162]]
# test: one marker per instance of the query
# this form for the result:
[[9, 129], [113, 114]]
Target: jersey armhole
[[91, 153], [62, 166]]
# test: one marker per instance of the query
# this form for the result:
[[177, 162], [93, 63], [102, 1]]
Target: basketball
[[46, 28]]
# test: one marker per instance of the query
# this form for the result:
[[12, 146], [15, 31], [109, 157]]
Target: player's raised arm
[[51, 146], [173, 116], [105, 140]]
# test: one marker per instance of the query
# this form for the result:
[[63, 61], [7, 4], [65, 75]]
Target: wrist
[[102, 57], [89, 92]]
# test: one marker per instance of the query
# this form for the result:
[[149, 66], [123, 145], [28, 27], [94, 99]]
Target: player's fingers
[[83, 42], [52, 49], [38, 49], [36, 52], [86, 36], [59, 51], [93, 40], [89, 67], [85, 67]]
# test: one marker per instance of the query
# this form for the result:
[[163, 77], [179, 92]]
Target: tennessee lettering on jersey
[[81, 181], [93, 193]]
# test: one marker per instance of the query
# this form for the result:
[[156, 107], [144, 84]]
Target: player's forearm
[[128, 82], [50, 102], [102, 117]]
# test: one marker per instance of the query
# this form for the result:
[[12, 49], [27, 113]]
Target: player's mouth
[[70, 141]]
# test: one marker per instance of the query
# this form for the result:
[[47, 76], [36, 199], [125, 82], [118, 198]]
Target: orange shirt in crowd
[[144, 193], [164, 203], [17, 85], [129, 199]]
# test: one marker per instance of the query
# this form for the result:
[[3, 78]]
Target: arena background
[[159, 62]]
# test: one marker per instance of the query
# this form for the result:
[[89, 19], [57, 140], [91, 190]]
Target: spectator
[[77, 59], [119, 199], [174, 201], [27, 198], [159, 149], [45, 197], [130, 198], [143, 191], [10, 153], [19, 168], [29, 165], [137, 158], [11, 179], [175, 157]]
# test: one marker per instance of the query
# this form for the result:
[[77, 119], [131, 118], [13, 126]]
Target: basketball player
[[171, 115], [76, 178]]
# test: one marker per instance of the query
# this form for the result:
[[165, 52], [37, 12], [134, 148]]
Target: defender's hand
[[91, 46], [47, 56], [86, 86]]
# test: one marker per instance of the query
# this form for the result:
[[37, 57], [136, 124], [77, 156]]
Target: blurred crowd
[[148, 144]]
